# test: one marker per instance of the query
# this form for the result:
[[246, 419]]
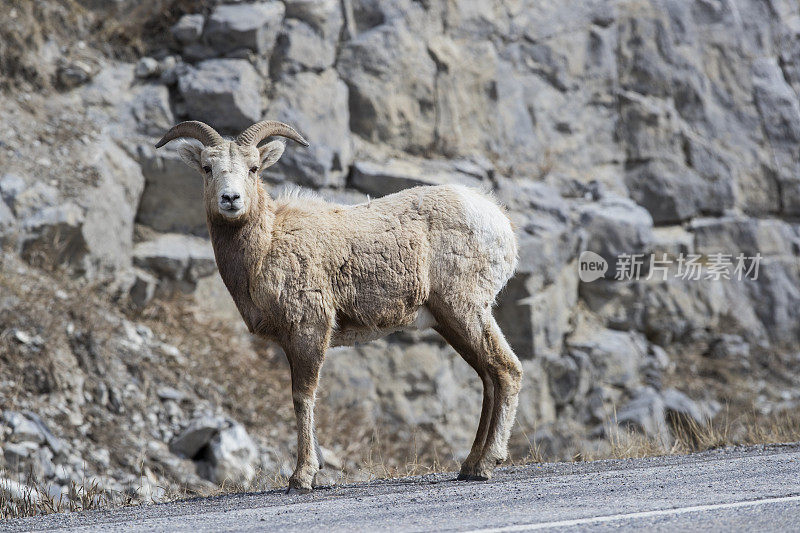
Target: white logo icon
[[591, 266]]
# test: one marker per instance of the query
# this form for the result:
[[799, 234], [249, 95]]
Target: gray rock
[[616, 355], [26, 199], [536, 406], [300, 47], [199, 52], [151, 109], [673, 241], [52, 237], [646, 413], [71, 75], [108, 224], [189, 28], [727, 346], [325, 16], [7, 223], [172, 200], [547, 241], [176, 257], [143, 287], [31, 431], [316, 105], [616, 226], [682, 411], [11, 185], [565, 379], [391, 80], [736, 234], [673, 193], [418, 385], [147, 67], [58, 446], [23, 428], [380, 179], [231, 457], [168, 393], [536, 318], [249, 25], [777, 102], [775, 296], [222, 92], [196, 435]]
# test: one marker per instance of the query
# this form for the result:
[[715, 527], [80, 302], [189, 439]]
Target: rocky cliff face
[[622, 128]]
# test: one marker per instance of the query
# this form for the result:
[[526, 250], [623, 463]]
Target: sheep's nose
[[230, 198]]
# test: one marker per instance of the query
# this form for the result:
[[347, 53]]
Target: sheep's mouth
[[230, 210]]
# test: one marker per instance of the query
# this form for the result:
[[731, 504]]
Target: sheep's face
[[231, 175]]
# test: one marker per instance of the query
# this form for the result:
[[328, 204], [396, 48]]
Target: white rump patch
[[494, 232]]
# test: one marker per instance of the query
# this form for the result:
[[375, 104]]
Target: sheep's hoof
[[297, 486], [474, 473]]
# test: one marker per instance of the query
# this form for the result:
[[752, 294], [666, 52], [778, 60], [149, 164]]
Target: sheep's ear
[[190, 153], [270, 153]]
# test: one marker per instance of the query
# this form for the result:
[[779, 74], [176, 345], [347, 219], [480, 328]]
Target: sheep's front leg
[[305, 360]]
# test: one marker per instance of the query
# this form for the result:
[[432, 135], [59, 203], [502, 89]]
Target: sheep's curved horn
[[194, 129], [261, 130]]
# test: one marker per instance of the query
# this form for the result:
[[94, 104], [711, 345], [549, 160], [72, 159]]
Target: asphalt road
[[741, 489]]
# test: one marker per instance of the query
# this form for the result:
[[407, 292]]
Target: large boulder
[[92, 233], [52, 238], [176, 257], [230, 456], [380, 179], [737, 234], [673, 193], [108, 224], [253, 26], [616, 226], [225, 93], [324, 16], [536, 318], [300, 47], [392, 90], [316, 105], [616, 355], [221, 448], [172, 200]]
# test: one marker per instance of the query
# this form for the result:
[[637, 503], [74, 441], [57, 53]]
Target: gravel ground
[[732, 489]]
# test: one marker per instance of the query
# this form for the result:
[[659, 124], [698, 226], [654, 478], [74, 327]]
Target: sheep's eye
[[253, 169], [207, 169]]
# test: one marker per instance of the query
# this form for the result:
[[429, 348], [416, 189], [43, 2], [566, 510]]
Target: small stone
[[73, 74], [168, 393], [143, 288], [188, 28], [146, 67]]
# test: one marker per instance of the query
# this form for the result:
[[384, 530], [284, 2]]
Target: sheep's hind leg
[[478, 339], [465, 350], [305, 360], [506, 372]]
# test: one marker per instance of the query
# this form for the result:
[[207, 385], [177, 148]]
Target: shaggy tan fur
[[311, 274]]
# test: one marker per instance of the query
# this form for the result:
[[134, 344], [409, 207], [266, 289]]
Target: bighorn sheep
[[309, 274]]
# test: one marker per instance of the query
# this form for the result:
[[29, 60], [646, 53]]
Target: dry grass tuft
[[35, 499]]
